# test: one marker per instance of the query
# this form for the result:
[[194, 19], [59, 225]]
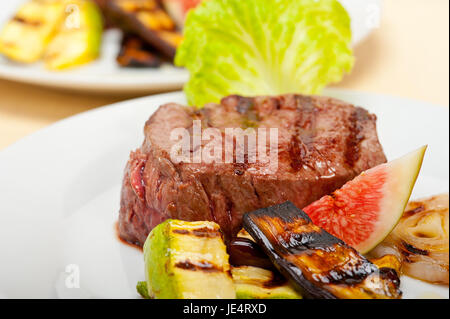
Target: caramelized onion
[[421, 240]]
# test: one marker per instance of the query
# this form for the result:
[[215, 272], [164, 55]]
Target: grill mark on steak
[[295, 153], [244, 105], [241, 168], [352, 152], [255, 191], [211, 202], [228, 209], [304, 102], [301, 143]]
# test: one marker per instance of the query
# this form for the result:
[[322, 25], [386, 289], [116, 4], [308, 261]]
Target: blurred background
[[406, 54]]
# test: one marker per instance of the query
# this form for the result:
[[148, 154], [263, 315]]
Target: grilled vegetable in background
[[148, 20], [365, 210], [102, 5], [264, 47], [136, 53], [178, 9], [79, 38], [187, 260], [421, 240], [320, 265], [26, 36]]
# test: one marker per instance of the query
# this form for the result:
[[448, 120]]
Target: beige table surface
[[408, 55]]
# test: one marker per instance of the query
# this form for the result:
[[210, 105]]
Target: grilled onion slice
[[421, 240]]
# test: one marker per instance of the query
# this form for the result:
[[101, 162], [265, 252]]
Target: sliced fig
[[365, 210]]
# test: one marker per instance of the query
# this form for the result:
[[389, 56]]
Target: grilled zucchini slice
[[79, 38], [319, 264], [258, 283], [141, 288], [187, 260], [250, 283], [26, 36]]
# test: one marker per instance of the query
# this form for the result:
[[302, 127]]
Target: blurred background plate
[[60, 194], [105, 76]]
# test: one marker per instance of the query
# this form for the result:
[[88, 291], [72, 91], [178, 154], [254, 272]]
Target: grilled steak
[[322, 144]]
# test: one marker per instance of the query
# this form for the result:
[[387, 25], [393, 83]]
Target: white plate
[[105, 76], [60, 187]]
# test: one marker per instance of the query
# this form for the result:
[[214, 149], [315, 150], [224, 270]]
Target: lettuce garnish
[[264, 47]]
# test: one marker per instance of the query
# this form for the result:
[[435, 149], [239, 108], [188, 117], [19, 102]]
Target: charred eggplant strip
[[149, 21], [319, 264], [135, 53], [245, 252]]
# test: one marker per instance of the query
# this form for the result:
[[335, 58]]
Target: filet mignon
[[322, 144]]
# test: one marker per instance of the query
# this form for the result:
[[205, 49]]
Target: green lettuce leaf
[[264, 47]]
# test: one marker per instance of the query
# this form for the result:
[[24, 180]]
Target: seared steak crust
[[322, 144]]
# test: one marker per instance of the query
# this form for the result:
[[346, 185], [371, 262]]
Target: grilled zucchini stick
[[79, 38], [26, 36], [187, 260], [319, 264]]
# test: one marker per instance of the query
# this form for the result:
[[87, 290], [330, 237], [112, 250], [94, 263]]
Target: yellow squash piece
[[257, 283], [79, 38], [25, 37], [187, 260]]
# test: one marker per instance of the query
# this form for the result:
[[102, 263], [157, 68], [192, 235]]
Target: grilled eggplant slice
[[135, 53], [245, 252], [187, 260], [319, 264], [26, 36], [147, 19]]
